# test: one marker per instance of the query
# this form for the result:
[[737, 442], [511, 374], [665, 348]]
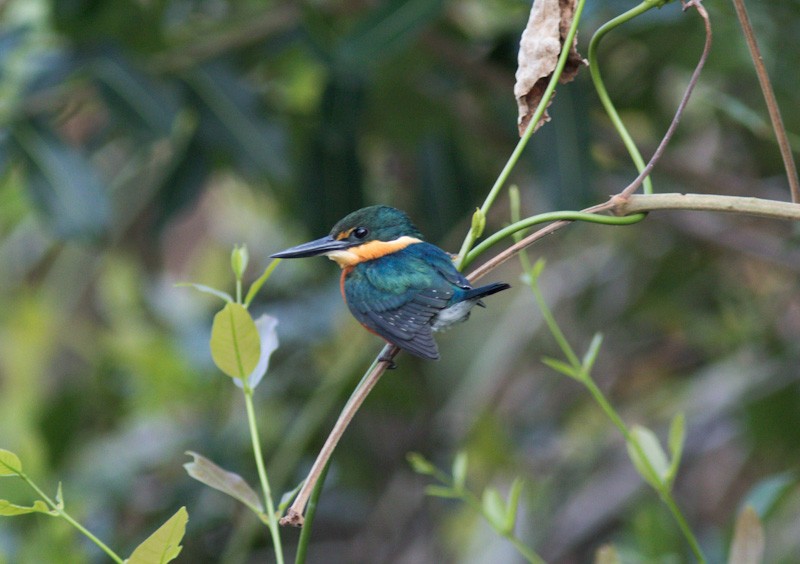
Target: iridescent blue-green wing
[[402, 328], [397, 297], [408, 325]]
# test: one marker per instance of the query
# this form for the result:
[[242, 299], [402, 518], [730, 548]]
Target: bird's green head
[[375, 223], [365, 234]]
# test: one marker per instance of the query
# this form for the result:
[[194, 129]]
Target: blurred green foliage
[[141, 139]]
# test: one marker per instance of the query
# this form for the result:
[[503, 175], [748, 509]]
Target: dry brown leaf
[[748, 539], [539, 49]]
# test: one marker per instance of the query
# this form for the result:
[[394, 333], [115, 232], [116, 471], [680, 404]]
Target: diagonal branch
[[294, 515], [681, 107], [760, 207], [772, 103]]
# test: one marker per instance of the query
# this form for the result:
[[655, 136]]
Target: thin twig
[[769, 98], [502, 257], [681, 107], [294, 515], [626, 193]]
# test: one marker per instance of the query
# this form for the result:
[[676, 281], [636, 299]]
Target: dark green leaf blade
[[65, 187]]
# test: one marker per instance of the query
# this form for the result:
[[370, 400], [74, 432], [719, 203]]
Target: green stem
[[546, 218], [663, 492], [550, 320], [605, 99], [311, 510], [612, 414], [262, 474], [471, 237], [526, 551], [68, 518], [667, 498], [256, 286], [467, 254], [581, 373]]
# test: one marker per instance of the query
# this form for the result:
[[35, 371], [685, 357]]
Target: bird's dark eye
[[360, 232]]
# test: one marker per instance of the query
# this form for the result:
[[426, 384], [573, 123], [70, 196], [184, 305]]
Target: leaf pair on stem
[[159, 548]]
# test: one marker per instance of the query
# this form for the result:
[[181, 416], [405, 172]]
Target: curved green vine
[[473, 235], [546, 218], [468, 252], [602, 93]]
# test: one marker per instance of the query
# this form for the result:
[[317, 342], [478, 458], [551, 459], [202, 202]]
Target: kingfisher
[[395, 284]]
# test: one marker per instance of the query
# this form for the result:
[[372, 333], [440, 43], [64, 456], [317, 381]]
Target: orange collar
[[370, 251]]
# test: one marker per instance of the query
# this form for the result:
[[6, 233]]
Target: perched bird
[[395, 284]]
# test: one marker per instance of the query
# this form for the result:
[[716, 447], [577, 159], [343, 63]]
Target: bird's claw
[[390, 364]]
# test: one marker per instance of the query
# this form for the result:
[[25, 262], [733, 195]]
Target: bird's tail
[[483, 291]]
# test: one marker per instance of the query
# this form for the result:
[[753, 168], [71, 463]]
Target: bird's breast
[[343, 280]]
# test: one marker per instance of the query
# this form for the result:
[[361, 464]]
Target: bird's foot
[[390, 363]]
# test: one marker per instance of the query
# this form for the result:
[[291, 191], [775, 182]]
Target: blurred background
[[141, 139]]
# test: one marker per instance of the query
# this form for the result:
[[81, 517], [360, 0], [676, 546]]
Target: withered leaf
[[747, 546], [539, 49]]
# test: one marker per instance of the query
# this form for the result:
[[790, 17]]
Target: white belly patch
[[452, 315]]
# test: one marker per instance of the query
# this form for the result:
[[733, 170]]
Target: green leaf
[[256, 286], [494, 508], [747, 546], [478, 223], [232, 113], [133, 96], [204, 470], [420, 464], [460, 470], [591, 353], [8, 509], [677, 437], [268, 335], [767, 494], [516, 206], [536, 271], [235, 343], [658, 468], [207, 290], [512, 506], [164, 545], [10, 464], [59, 497], [560, 366], [442, 491], [64, 185], [385, 31], [239, 259]]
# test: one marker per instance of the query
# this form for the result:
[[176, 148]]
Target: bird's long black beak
[[313, 248]]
